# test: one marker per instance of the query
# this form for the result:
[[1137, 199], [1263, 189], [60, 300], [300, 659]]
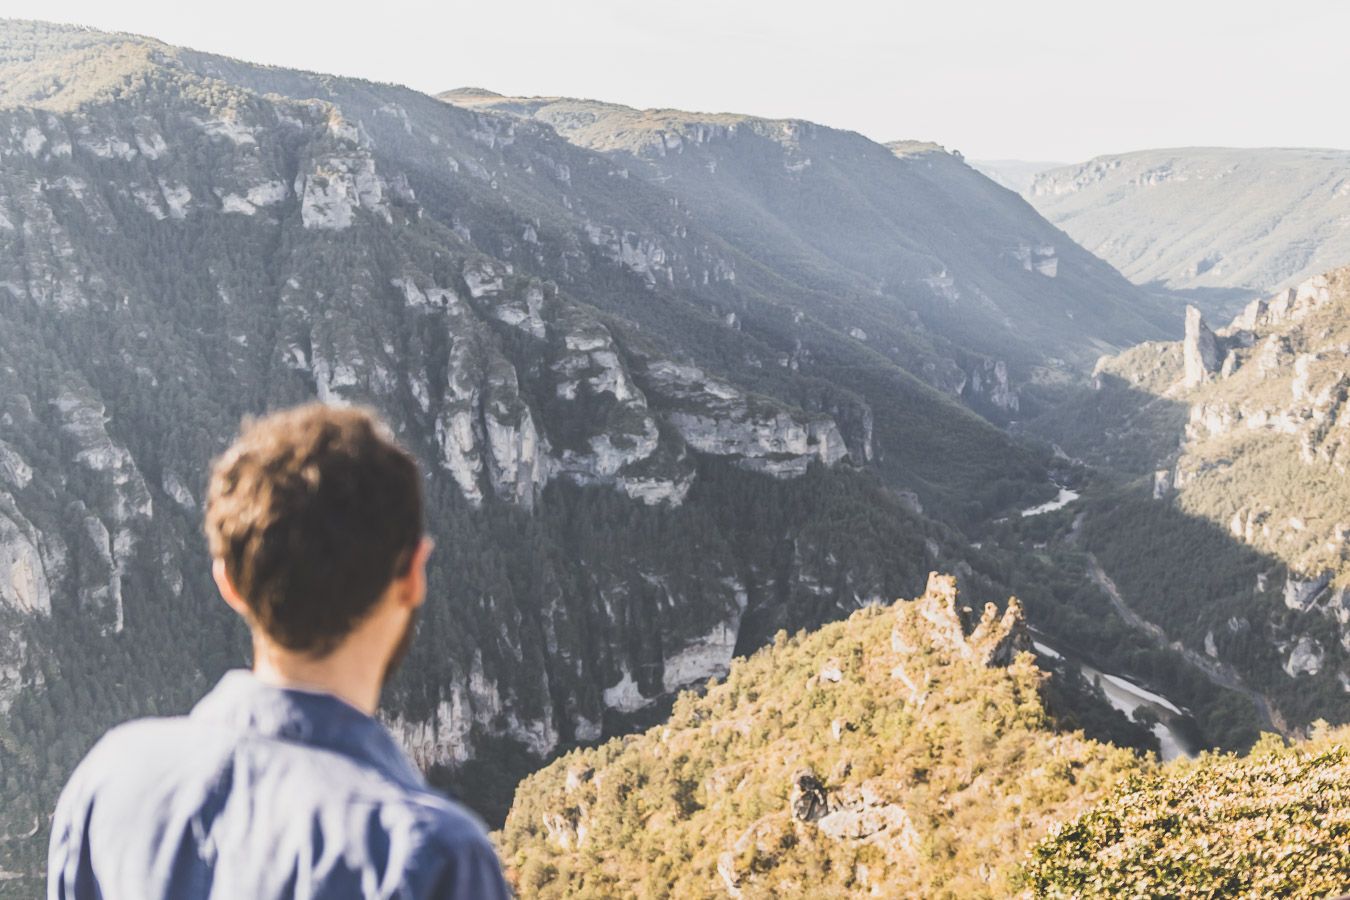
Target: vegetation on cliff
[[899, 752], [1273, 824], [904, 753]]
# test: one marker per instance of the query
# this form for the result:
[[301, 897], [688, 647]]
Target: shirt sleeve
[[471, 872], [70, 870]]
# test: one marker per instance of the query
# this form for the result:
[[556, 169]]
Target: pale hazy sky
[[1031, 79]]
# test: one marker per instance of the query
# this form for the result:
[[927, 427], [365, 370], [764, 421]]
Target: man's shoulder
[[152, 771], [138, 744], [149, 744], [442, 821], [139, 759], [454, 854]]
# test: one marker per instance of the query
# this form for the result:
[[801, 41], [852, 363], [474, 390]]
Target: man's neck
[[345, 675]]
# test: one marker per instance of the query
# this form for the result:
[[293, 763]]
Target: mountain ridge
[[812, 769], [1216, 218], [706, 160], [907, 751]]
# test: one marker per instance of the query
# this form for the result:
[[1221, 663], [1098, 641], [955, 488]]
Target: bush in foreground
[[1273, 824]]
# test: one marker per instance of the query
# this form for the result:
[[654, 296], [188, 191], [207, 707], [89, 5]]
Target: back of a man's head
[[314, 518], [313, 511]]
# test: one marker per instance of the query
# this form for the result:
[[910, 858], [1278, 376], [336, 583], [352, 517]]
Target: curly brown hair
[[314, 511]]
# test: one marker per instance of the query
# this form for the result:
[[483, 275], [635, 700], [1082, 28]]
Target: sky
[[1044, 80]]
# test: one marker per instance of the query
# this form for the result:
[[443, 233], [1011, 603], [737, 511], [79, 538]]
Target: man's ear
[[412, 588], [226, 588]]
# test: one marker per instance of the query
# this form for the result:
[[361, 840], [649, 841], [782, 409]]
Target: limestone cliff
[[645, 450], [1200, 349]]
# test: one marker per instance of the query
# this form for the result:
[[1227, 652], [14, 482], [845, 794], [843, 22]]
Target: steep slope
[[1268, 396], [1208, 219], [638, 462], [1014, 174], [1270, 825], [516, 191], [893, 754], [904, 247], [1231, 447]]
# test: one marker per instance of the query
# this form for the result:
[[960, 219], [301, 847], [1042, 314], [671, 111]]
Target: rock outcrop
[[1203, 355], [990, 382], [935, 620], [852, 814], [23, 576], [1305, 657], [495, 441]]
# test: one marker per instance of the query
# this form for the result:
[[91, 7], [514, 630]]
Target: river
[[1127, 697], [1121, 693], [1064, 498]]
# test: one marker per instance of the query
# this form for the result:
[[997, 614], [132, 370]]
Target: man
[[280, 783]]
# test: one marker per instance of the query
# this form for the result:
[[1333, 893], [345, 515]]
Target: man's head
[[314, 520]]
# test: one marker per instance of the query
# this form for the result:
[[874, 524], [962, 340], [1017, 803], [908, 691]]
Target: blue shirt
[[260, 793]]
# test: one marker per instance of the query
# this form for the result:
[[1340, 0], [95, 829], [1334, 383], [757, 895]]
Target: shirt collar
[[243, 703]]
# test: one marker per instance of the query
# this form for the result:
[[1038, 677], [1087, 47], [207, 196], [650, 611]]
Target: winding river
[[1127, 697], [1064, 498], [1121, 693]]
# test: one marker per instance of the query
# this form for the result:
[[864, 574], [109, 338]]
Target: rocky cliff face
[[1284, 384], [1283, 360], [645, 452], [501, 379], [983, 312], [1244, 432]]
